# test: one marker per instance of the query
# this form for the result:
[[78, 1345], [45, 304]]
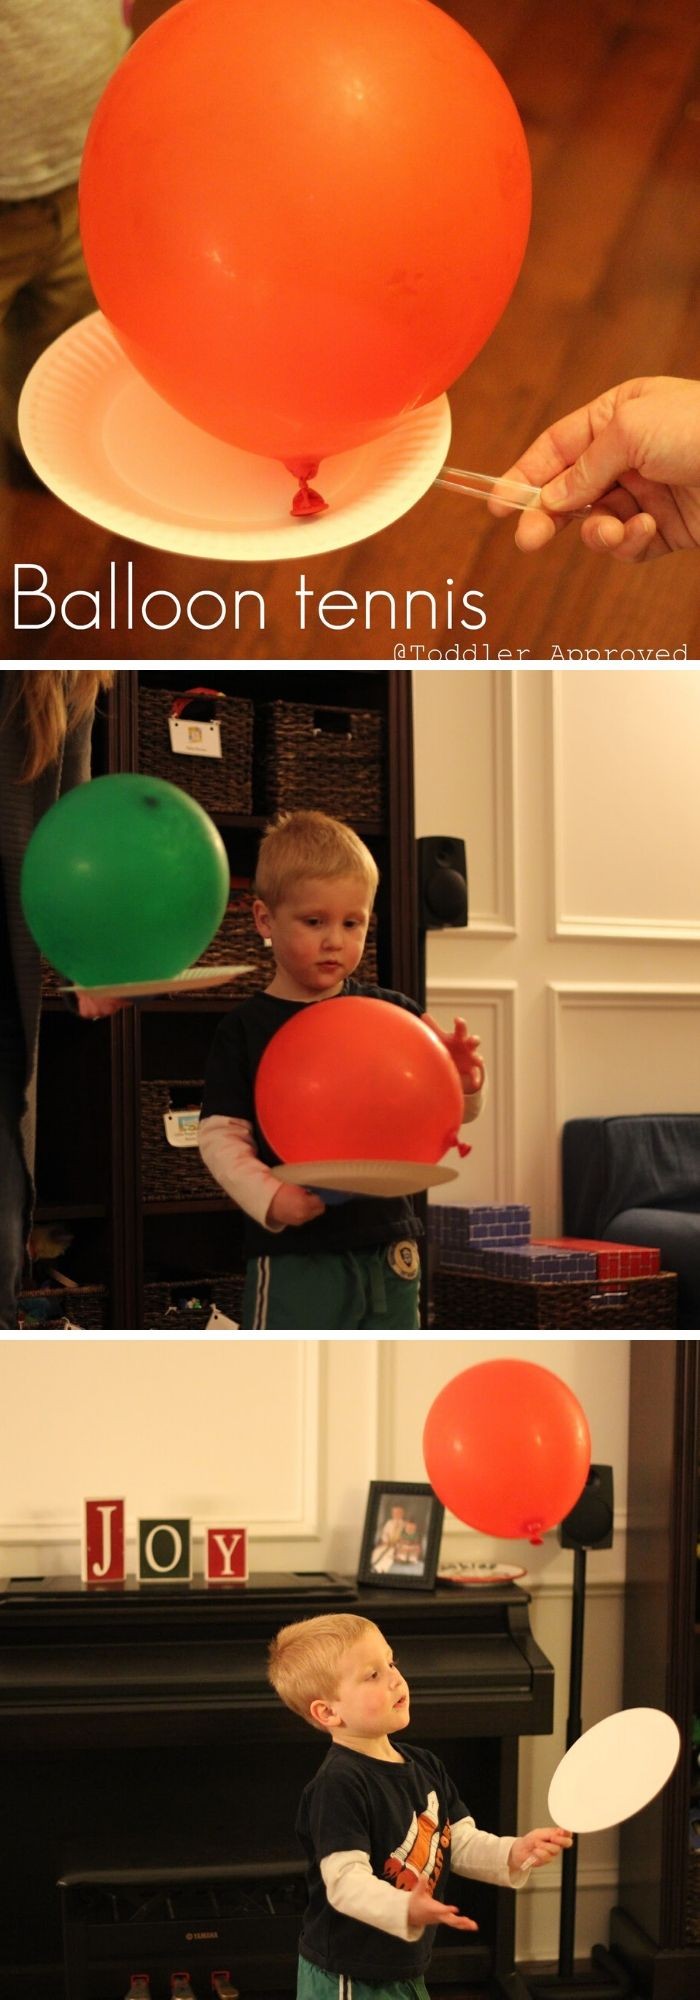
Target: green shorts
[[315, 1984], [373, 1290]]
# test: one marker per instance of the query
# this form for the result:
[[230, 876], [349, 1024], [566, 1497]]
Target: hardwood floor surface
[[609, 93]]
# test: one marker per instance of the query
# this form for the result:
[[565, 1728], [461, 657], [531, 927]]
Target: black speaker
[[589, 1525], [443, 900]]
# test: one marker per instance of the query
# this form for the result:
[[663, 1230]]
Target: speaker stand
[[605, 1979]]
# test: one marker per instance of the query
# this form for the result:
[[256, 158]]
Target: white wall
[[578, 796], [285, 1436]]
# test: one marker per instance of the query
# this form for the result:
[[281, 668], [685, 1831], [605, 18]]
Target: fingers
[[313, 1206], [449, 1914], [629, 541], [547, 1843]]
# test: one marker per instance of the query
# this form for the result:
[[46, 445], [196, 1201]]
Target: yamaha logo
[[193, 1936]]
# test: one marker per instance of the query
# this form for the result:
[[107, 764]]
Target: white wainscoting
[[622, 753], [465, 785], [490, 1010]]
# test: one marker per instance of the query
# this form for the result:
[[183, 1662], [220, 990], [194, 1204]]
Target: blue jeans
[[15, 1190]]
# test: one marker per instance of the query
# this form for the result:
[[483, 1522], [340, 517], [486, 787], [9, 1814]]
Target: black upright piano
[[150, 1775]]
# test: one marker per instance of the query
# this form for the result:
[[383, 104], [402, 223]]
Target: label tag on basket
[[217, 1322], [181, 1127], [194, 739]]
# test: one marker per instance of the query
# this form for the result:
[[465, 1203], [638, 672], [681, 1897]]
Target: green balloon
[[124, 879]]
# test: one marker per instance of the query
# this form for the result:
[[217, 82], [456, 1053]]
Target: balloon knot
[[462, 1149], [307, 501], [533, 1530]]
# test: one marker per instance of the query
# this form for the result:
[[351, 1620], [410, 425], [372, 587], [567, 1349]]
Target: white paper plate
[[373, 1177], [480, 1573], [191, 981], [110, 447], [614, 1770]]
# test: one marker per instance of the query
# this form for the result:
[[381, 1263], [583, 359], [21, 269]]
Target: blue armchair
[[637, 1180]]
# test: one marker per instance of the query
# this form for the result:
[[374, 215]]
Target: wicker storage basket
[[86, 1307], [169, 1305], [51, 981], [221, 784], [171, 1173], [331, 759], [467, 1299]]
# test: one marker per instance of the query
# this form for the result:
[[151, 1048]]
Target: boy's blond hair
[[305, 1661], [299, 844]]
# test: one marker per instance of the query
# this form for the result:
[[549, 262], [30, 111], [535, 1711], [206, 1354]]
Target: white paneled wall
[[578, 797], [285, 1436]]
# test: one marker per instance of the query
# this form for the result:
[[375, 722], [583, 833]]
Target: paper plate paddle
[[109, 446], [614, 1770], [371, 1177], [197, 979]]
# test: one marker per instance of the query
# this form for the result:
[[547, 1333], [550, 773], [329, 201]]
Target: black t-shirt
[[396, 1814], [229, 1092]]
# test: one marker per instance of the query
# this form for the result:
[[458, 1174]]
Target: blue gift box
[[461, 1232]]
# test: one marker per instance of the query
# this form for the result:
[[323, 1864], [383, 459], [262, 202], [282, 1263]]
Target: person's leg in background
[[44, 288], [14, 1181]]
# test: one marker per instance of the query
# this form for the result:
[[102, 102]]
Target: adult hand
[[424, 1909], [462, 1047], [538, 1848], [633, 457], [291, 1206], [96, 1010]]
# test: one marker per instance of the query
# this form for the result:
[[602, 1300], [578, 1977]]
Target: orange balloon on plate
[[357, 1079], [304, 219]]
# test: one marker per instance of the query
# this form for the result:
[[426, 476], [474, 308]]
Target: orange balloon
[[507, 1448], [356, 1079], [303, 219]]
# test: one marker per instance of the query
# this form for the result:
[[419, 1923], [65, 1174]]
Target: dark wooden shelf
[[194, 1207], [89, 1085], [69, 1211], [368, 829]]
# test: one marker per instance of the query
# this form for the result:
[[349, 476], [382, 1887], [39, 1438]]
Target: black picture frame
[[422, 1524]]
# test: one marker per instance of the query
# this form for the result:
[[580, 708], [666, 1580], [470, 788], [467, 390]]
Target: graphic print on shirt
[[423, 1851]]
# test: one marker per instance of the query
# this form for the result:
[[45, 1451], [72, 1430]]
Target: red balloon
[[304, 219], [356, 1079], [507, 1448]]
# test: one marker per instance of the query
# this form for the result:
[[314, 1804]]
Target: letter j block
[[104, 1542]]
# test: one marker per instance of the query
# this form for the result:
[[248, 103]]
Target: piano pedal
[[221, 1985], [180, 1987], [140, 1987]]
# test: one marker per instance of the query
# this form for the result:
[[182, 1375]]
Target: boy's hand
[[462, 1047], [539, 1847], [423, 1909], [291, 1206]]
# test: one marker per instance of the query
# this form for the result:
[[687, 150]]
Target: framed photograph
[[401, 1535]]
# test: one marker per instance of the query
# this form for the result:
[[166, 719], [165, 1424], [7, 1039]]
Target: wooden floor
[[609, 92]]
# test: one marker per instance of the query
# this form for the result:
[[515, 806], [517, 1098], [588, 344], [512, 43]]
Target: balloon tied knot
[[461, 1148], [533, 1530], [307, 502]]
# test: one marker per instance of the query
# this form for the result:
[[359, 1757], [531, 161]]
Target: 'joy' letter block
[[226, 1555], [104, 1542], [165, 1551]]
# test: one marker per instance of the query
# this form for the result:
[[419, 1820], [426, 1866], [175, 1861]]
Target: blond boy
[[312, 1265], [381, 1825]]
